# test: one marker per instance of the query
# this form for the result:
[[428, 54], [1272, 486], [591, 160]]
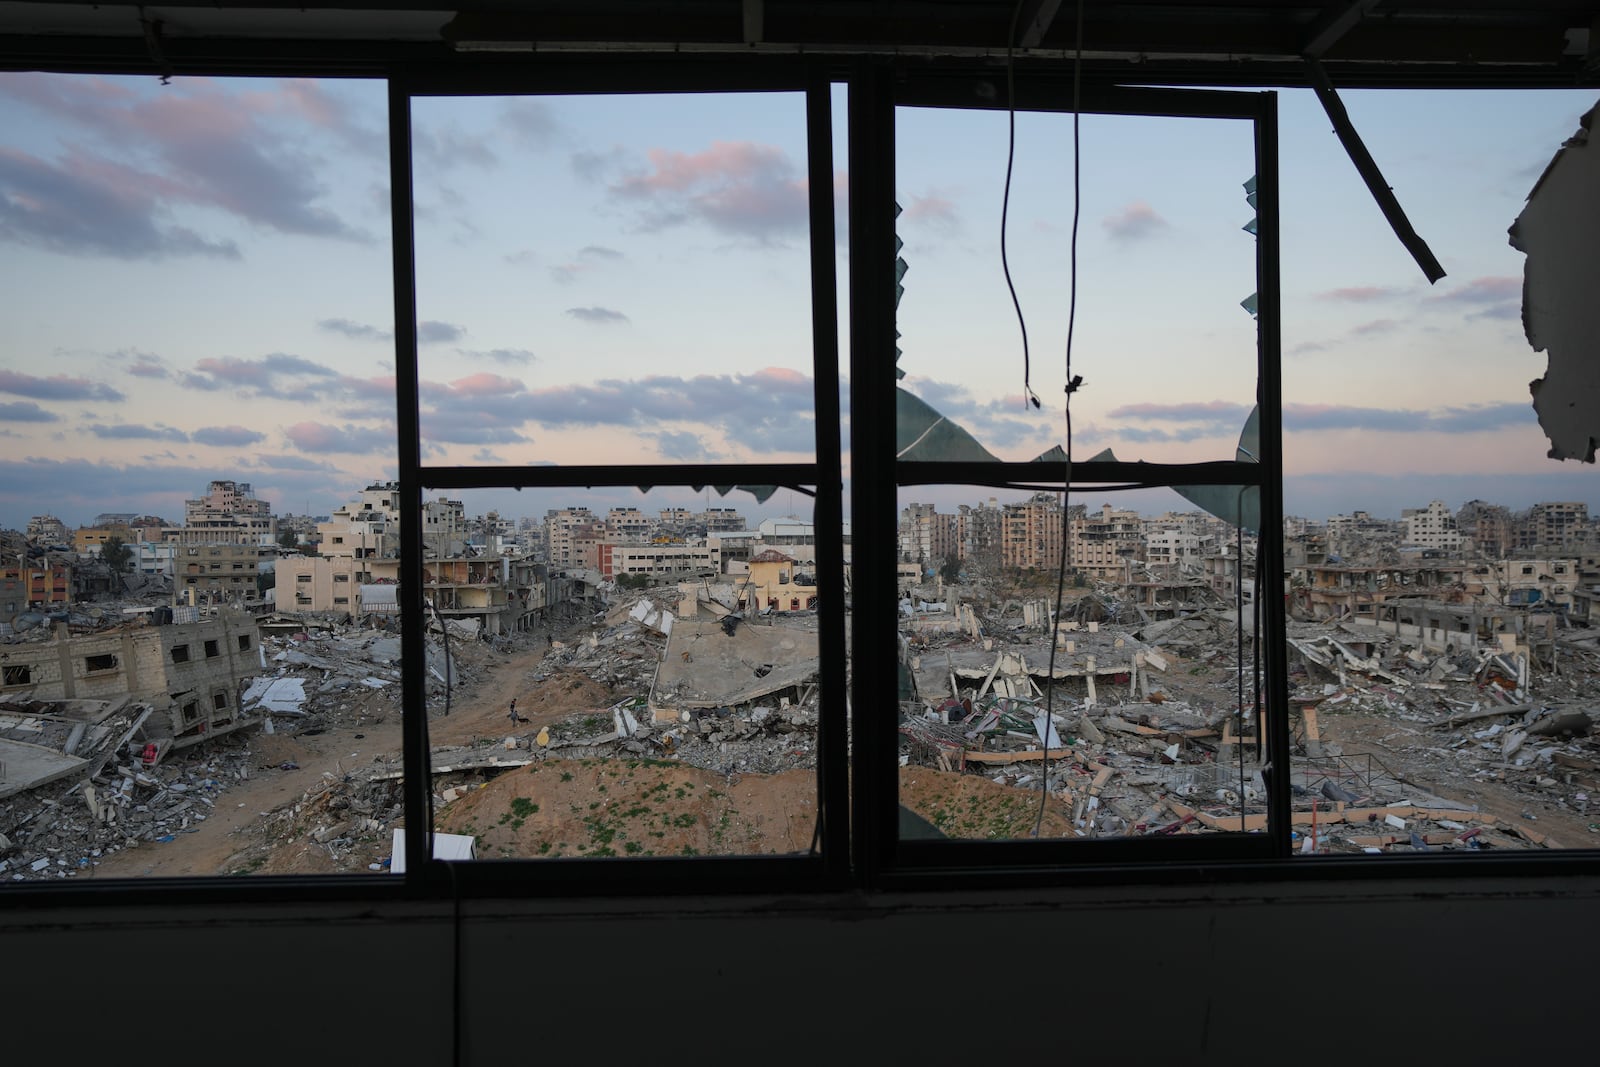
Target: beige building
[[1030, 533], [1104, 541], [213, 573], [320, 583], [774, 583], [190, 673]]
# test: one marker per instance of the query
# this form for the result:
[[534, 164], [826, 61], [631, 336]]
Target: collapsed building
[[189, 673]]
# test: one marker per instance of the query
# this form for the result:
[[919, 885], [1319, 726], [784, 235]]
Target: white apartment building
[[1431, 527]]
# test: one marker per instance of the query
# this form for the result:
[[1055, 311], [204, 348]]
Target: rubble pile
[[1143, 733], [64, 829]]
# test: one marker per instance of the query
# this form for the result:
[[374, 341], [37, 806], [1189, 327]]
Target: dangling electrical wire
[[1005, 199], [1073, 382]]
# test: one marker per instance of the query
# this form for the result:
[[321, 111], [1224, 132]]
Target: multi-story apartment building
[[978, 531], [321, 583], [227, 513], [926, 536], [721, 520], [628, 524], [48, 530], [1486, 529], [88, 540], [657, 561], [42, 582], [1432, 527], [366, 528], [560, 527], [216, 573], [1103, 542], [189, 672], [1559, 524], [1030, 533]]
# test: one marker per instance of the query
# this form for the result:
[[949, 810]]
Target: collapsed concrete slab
[[711, 664]]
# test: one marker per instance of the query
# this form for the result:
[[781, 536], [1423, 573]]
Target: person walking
[[513, 716]]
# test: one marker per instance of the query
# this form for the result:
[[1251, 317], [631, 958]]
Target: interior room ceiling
[[1361, 42]]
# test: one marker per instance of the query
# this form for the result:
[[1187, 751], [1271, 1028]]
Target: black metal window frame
[[821, 479], [856, 774], [878, 474]]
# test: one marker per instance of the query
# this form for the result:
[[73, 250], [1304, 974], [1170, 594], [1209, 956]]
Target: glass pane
[[1148, 699], [638, 673], [181, 398], [614, 279], [1440, 566], [1167, 353]]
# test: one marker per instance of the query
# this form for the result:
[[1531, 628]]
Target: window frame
[[828, 866], [877, 476], [871, 89]]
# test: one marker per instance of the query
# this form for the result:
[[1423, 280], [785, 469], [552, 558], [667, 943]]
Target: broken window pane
[[199, 365], [636, 674], [1167, 353], [613, 279], [1147, 704], [1439, 564]]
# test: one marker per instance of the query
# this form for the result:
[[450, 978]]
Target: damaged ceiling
[[1559, 232], [1361, 42]]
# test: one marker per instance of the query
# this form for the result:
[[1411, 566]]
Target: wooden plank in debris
[[1015, 757]]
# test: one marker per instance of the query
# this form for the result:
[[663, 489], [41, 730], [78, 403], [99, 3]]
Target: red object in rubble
[[150, 753]]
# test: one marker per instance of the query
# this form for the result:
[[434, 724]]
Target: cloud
[[226, 436], [483, 455], [1309, 418], [1198, 411], [357, 330], [432, 333], [1481, 291], [531, 121], [130, 431], [1362, 294], [590, 257], [1133, 223], [26, 411], [444, 145], [736, 187], [201, 143], [597, 315], [592, 165], [767, 410], [1493, 297], [263, 377], [479, 409], [57, 387], [87, 206], [1375, 327], [1464, 419], [499, 355], [319, 437], [147, 366], [932, 209], [684, 446], [292, 463]]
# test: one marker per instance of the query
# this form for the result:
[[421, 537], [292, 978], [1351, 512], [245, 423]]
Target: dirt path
[[475, 713]]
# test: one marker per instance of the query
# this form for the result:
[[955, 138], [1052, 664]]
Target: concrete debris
[[1159, 732]]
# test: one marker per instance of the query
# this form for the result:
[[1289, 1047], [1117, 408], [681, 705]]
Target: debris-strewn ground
[[1397, 748]]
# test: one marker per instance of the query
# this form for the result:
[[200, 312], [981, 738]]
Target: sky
[[199, 287]]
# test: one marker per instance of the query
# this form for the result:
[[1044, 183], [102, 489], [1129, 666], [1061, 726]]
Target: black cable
[[1005, 199], [1071, 387]]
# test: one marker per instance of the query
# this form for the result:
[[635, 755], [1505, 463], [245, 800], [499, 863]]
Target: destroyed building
[[191, 673]]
